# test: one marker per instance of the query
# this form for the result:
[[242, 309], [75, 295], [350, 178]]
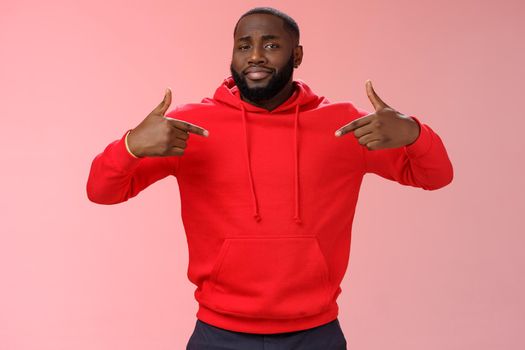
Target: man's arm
[[116, 175], [424, 163], [152, 152], [399, 147]]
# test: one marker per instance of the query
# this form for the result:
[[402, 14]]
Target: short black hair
[[289, 23]]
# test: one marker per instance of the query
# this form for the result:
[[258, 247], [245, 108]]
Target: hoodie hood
[[302, 99]]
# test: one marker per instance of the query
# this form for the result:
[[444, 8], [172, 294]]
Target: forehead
[[261, 24]]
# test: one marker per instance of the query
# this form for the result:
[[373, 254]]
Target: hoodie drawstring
[[256, 215], [296, 218], [254, 196]]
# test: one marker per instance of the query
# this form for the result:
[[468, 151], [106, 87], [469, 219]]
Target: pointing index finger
[[187, 126], [354, 124]]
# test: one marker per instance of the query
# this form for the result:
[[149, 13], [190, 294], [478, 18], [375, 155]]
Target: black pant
[[325, 337]]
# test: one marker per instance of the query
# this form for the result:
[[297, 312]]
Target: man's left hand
[[385, 128]]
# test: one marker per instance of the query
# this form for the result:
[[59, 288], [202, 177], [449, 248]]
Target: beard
[[277, 82]]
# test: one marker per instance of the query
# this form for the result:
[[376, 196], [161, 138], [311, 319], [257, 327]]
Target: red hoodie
[[267, 202]]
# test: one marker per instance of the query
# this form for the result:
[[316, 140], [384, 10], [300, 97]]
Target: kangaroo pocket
[[269, 277]]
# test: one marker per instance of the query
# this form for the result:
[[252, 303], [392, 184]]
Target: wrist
[[415, 131], [127, 146]]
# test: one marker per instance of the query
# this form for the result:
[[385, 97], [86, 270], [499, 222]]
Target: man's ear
[[298, 55]]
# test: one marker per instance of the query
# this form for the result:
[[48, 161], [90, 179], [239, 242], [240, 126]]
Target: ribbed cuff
[[423, 142]]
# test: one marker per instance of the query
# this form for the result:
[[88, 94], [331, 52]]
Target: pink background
[[428, 270]]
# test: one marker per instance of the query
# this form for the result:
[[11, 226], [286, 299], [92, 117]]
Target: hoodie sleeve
[[115, 175], [424, 163]]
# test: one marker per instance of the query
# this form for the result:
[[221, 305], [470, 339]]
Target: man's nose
[[257, 56]]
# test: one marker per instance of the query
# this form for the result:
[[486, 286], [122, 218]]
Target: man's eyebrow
[[265, 37]]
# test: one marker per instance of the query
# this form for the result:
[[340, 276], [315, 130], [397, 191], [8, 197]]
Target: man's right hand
[[160, 136]]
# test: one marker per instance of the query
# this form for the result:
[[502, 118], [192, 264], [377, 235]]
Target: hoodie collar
[[303, 98]]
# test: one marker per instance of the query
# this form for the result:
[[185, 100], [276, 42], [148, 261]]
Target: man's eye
[[275, 45], [243, 47]]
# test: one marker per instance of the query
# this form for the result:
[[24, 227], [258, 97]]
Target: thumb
[[372, 96], [165, 104]]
